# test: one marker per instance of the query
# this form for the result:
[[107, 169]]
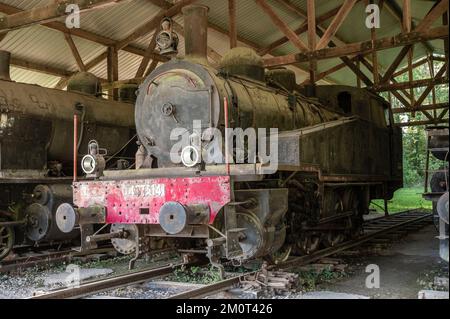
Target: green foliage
[[197, 275], [414, 156], [308, 280], [414, 138], [404, 199]]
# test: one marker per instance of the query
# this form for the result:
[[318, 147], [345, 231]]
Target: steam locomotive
[[36, 161], [337, 150]]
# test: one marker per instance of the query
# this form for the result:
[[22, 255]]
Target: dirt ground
[[409, 266]]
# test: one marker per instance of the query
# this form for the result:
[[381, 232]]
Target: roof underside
[[39, 44]]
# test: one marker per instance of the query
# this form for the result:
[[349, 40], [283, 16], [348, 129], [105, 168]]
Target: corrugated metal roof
[[48, 47]]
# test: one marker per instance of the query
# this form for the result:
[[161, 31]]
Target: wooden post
[[376, 77], [75, 52], [406, 24], [445, 23], [411, 75], [358, 80], [433, 92], [232, 22], [311, 15], [113, 71]]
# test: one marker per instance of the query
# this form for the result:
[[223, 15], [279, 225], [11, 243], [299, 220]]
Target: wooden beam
[[62, 83], [422, 108], [232, 23], [357, 71], [41, 68], [280, 24], [87, 35], [420, 123], [360, 47], [3, 35], [400, 97], [336, 23], [358, 80], [153, 23], [406, 19], [292, 7], [213, 55], [301, 29], [312, 38], [226, 33], [75, 53], [445, 22], [97, 60], [436, 12], [50, 12], [369, 67], [437, 58], [430, 86], [146, 58], [218, 29], [394, 65], [89, 65], [410, 84], [443, 113], [397, 12], [161, 3], [335, 68], [117, 84], [396, 94], [151, 68], [406, 69], [375, 72], [113, 71]]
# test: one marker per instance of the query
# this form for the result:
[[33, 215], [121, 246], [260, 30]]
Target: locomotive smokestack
[[5, 61], [196, 32]]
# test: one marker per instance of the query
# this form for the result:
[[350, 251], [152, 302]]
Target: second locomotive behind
[[36, 153]]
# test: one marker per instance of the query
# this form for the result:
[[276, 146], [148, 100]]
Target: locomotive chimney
[[5, 60], [196, 32]]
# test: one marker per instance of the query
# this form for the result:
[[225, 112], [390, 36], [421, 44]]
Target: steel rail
[[47, 257], [91, 288], [300, 261], [98, 286]]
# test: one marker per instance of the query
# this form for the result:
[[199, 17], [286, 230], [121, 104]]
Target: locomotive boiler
[[36, 154], [336, 150]]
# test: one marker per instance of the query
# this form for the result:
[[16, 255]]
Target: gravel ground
[[25, 283], [149, 290]]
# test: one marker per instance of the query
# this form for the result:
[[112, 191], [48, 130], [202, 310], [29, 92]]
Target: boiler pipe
[[75, 147]]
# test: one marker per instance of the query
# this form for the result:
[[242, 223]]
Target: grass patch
[[404, 199], [195, 275], [308, 280]]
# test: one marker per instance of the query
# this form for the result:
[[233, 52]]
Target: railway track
[[97, 286], [45, 258], [375, 228]]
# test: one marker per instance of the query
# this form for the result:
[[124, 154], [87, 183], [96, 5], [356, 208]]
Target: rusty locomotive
[[336, 147], [36, 161]]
